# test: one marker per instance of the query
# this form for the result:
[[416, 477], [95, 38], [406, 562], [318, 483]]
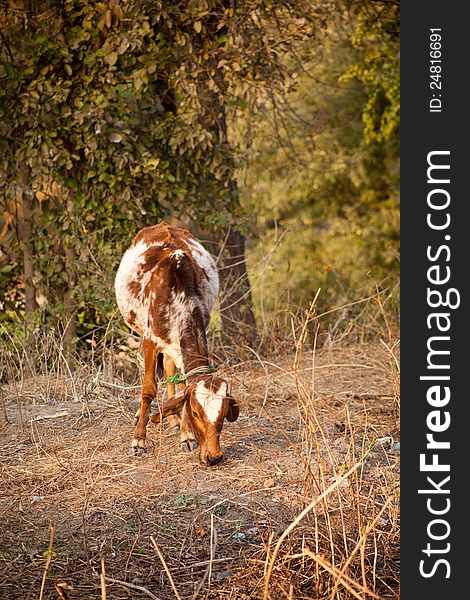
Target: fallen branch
[[132, 586], [62, 413], [167, 570]]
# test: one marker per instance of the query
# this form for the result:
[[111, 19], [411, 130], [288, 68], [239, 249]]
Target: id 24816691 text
[[435, 70]]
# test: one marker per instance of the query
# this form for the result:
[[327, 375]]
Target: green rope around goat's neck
[[178, 378]]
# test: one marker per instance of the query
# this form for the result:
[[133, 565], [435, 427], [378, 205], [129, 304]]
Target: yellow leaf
[[117, 11], [107, 18], [197, 26], [111, 58]]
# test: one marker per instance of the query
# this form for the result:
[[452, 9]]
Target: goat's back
[[164, 270]]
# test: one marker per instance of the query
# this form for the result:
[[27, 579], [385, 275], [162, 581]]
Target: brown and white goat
[[166, 286]]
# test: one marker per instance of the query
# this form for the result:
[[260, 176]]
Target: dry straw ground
[[305, 504]]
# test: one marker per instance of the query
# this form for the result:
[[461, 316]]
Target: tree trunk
[[25, 234], [69, 302], [236, 305]]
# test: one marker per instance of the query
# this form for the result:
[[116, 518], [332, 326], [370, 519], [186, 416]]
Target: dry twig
[[103, 580], [48, 562], [208, 571], [132, 586], [167, 570], [297, 520]]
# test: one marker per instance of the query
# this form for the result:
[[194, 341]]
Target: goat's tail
[[160, 365]]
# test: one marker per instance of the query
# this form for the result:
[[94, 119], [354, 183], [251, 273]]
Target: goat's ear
[[171, 406], [233, 409]]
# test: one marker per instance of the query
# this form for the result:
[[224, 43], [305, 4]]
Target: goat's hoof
[[138, 447], [138, 451], [189, 445]]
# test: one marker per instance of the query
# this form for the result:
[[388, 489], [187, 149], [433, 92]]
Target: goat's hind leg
[[149, 392]]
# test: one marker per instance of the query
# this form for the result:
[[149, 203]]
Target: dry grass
[[304, 506]]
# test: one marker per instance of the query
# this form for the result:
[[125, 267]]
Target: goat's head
[[207, 404]]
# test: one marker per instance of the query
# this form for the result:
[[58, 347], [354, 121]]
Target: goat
[[166, 286]]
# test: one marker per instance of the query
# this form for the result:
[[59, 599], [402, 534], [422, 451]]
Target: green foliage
[[376, 35], [125, 113], [120, 114], [323, 189]]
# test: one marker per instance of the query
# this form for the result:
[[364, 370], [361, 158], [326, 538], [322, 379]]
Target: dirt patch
[[66, 464]]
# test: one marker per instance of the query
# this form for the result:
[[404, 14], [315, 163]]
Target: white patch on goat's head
[[210, 400]]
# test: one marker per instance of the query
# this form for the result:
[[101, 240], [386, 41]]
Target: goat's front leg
[[149, 392], [169, 369], [187, 437]]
